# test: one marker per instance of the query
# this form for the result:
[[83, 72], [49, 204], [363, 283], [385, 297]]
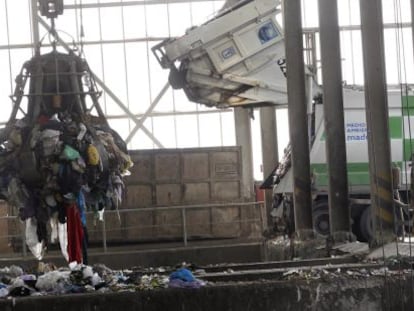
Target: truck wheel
[[365, 225], [320, 218]]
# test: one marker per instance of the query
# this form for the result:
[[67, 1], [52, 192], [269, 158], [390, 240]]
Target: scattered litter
[[80, 278], [52, 281], [380, 271], [290, 272]]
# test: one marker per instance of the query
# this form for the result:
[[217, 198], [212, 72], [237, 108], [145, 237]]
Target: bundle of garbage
[[60, 160], [77, 171], [15, 282]]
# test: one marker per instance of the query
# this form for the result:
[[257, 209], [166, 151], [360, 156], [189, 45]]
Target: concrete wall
[[340, 294], [184, 176], [177, 177]]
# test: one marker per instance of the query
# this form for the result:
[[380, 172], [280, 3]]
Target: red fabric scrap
[[42, 120], [75, 232]]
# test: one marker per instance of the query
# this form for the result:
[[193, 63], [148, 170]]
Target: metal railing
[[250, 218]]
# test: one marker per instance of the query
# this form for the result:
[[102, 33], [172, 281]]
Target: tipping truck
[[236, 59]]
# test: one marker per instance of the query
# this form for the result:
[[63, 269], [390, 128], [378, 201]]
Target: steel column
[[339, 213], [244, 139], [270, 156], [35, 24], [297, 117], [376, 102]]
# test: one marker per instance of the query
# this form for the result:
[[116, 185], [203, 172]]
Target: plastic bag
[[93, 155], [63, 239], [32, 239], [52, 281], [69, 153], [54, 230]]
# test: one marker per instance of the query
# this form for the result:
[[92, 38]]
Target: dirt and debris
[[342, 287]]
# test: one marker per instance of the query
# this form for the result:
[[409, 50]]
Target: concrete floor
[[154, 255]]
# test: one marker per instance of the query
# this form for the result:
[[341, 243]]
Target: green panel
[[408, 111], [398, 164], [321, 180], [408, 149], [395, 124], [408, 101], [361, 178], [358, 174], [408, 105], [352, 167], [354, 179], [319, 168]]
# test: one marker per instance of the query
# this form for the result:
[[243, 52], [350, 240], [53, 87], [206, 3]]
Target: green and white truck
[[237, 59], [401, 121]]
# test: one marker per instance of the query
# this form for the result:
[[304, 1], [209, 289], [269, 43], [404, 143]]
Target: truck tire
[[320, 217]]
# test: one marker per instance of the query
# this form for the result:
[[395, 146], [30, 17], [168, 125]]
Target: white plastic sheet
[[63, 240], [32, 240]]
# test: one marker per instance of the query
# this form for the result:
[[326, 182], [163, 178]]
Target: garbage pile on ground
[[59, 160], [328, 273], [78, 278]]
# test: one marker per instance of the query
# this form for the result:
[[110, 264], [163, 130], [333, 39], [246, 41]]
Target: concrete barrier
[[344, 293]]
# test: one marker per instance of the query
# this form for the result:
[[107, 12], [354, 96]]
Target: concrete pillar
[[270, 156], [339, 213], [244, 139], [377, 121], [297, 117]]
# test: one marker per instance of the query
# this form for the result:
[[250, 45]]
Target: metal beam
[[126, 110], [160, 114], [382, 212], [339, 212], [147, 113], [297, 117], [358, 27], [126, 3], [94, 42], [35, 24], [156, 39], [156, 114], [175, 113], [108, 91], [118, 41]]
